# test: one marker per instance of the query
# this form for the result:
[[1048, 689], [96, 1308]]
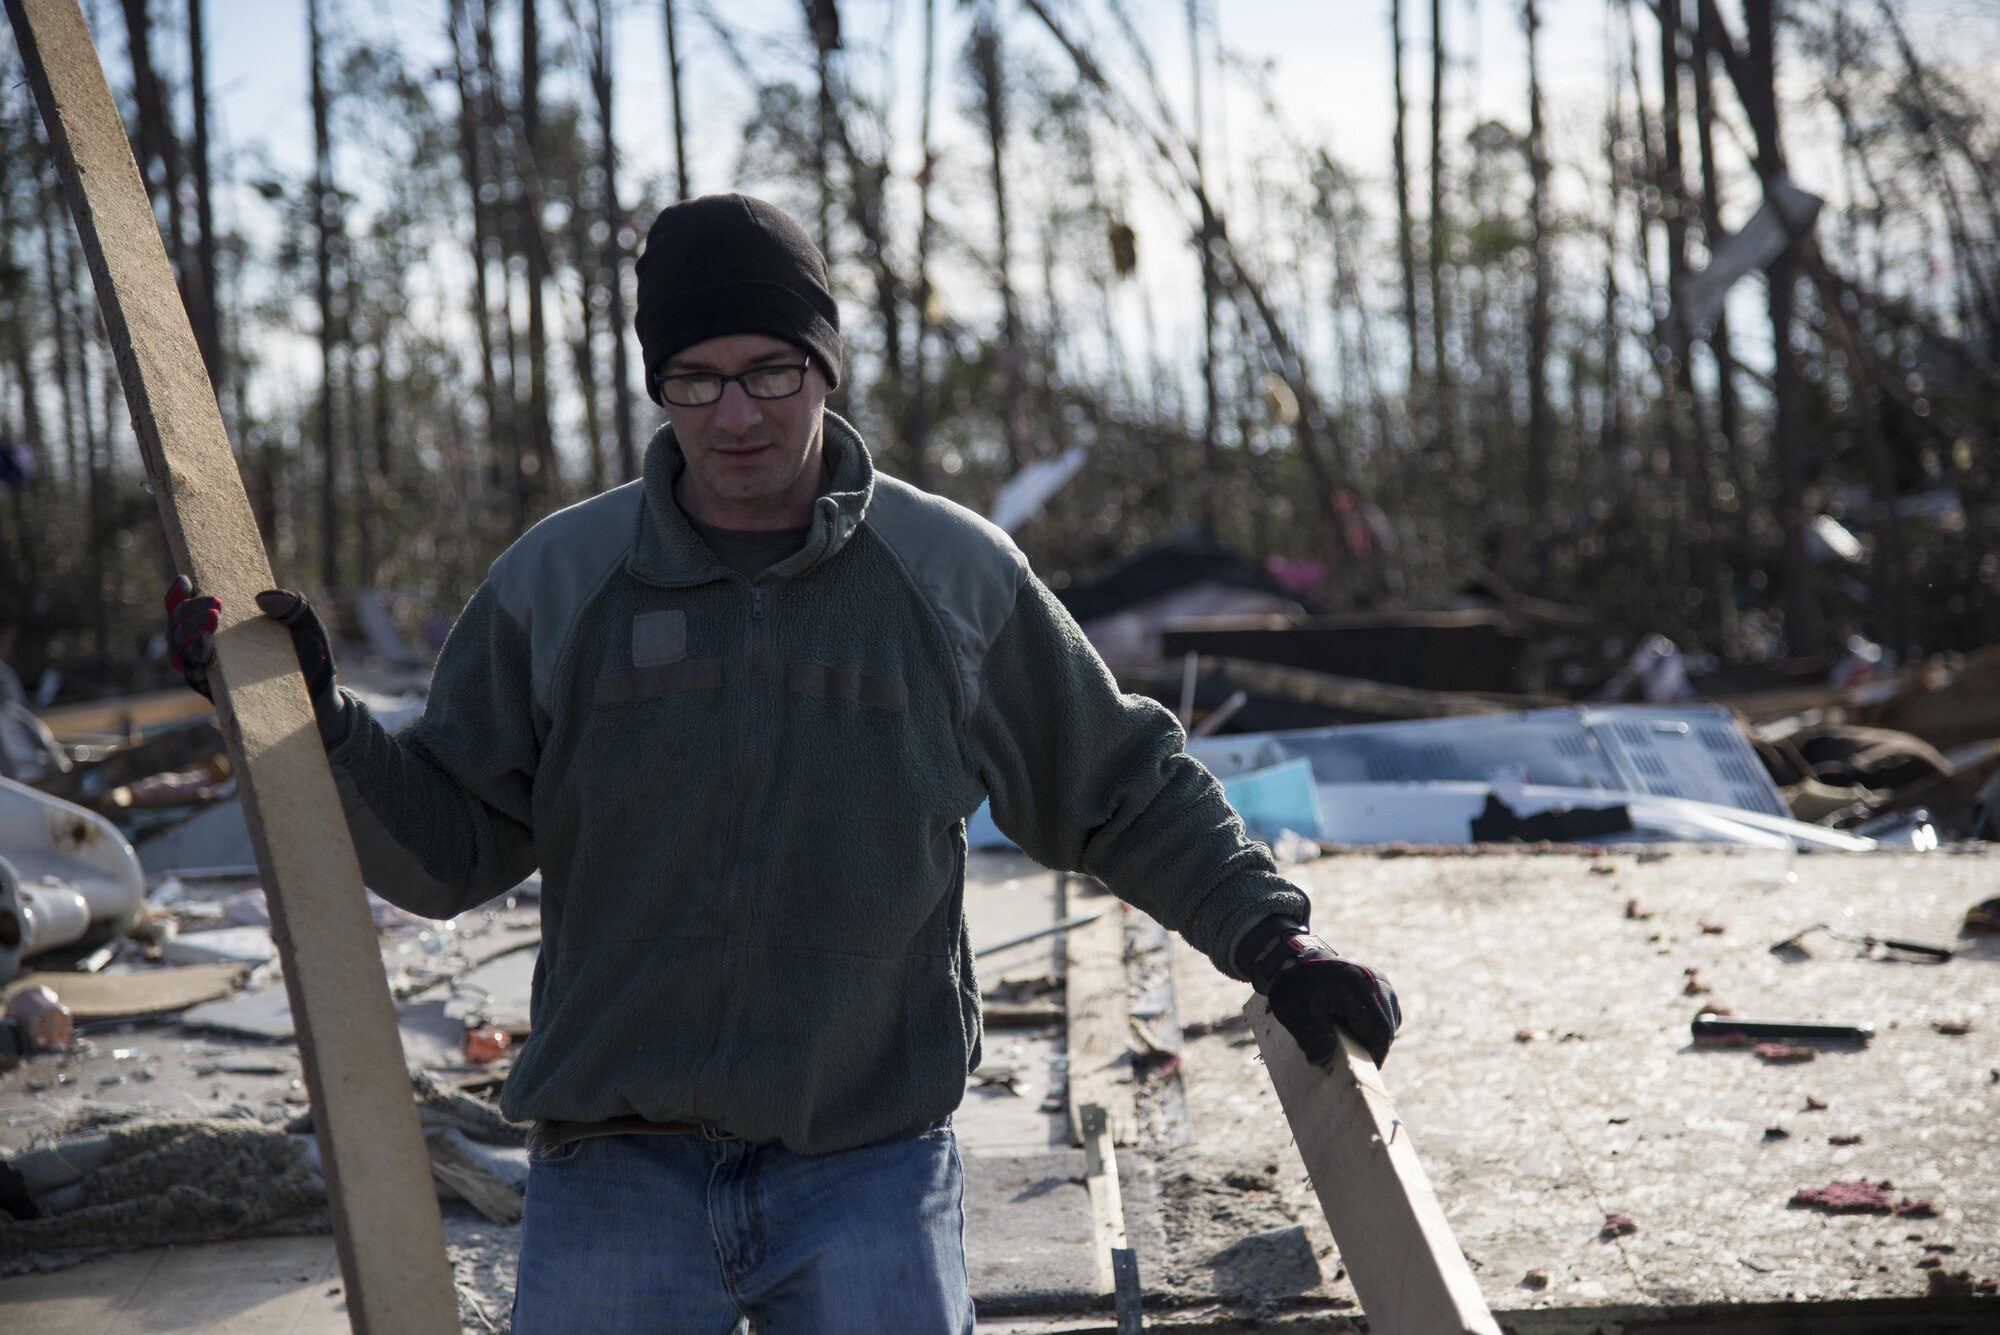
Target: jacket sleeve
[[441, 813], [1088, 779]]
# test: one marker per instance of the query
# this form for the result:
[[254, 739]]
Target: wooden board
[[385, 1213], [118, 996], [1399, 1251], [1107, 1202], [1365, 697], [1099, 1024]]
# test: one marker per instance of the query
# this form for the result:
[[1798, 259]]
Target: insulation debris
[[1781, 1053], [1860, 1197]]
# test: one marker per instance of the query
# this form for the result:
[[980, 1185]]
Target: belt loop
[[711, 1132]]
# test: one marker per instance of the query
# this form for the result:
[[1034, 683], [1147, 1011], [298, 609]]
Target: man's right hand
[[191, 622]]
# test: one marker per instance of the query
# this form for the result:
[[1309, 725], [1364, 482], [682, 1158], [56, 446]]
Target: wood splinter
[[1399, 1251]]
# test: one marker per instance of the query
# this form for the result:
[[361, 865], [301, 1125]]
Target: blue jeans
[[684, 1235]]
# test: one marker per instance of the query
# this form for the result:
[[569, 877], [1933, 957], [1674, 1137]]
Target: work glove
[[191, 623], [1312, 989]]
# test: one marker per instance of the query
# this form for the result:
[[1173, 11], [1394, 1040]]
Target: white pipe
[[67, 877]]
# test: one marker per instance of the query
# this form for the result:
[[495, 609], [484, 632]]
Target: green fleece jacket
[[747, 799]]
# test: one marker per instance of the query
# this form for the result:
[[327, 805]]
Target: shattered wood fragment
[[1394, 1239]]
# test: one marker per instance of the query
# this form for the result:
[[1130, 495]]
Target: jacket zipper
[[748, 769]]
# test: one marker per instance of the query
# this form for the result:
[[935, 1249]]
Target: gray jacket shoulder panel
[[968, 569], [546, 577]]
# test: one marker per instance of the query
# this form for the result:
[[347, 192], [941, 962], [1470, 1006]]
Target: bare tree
[[200, 284], [534, 236], [1406, 257], [674, 102], [324, 222], [916, 428], [1440, 229], [1540, 427], [612, 255], [986, 64]]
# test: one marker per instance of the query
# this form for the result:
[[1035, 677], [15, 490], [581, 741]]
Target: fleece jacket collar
[[667, 551]]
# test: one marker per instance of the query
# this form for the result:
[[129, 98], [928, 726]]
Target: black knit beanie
[[730, 264]]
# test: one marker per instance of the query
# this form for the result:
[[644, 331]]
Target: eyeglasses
[[759, 382]]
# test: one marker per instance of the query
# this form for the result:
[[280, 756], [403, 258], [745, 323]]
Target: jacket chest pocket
[[647, 683], [817, 680]]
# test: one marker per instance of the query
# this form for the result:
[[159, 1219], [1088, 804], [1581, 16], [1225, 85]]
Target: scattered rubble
[[1860, 1197]]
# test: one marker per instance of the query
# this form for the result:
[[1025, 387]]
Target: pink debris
[[1722, 1040], [1860, 1197], [1815, 1104], [1617, 1226], [1785, 1052]]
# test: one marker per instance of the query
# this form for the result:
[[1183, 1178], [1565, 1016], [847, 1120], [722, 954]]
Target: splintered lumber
[[1107, 1202], [1398, 1249], [1354, 695], [1098, 1022], [385, 1212]]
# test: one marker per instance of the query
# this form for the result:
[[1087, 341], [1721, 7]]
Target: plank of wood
[[1107, 1202], [386, 1223], [1099, 1024], [1366, 697], [473, 1180], [1407, 1268], [131, 713], [117, 996]]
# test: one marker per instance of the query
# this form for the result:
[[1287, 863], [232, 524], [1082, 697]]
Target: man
[[737, 713]]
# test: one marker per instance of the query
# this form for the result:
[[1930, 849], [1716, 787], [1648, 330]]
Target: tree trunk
[[992, 89], [535, 236], [200, 284], [917, 419], [521, 464], [1690, 446], [674, 101], [1727, 407], [1805, 626], [612, 258], [1211, 448], [160, 162], [1406, 256], [823, 26], [1539, 426], [59, 285], [1442, 405], [583, 348], [322, 191], [470, 139]]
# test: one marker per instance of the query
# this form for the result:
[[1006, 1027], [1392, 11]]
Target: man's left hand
[[1312, 990]]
